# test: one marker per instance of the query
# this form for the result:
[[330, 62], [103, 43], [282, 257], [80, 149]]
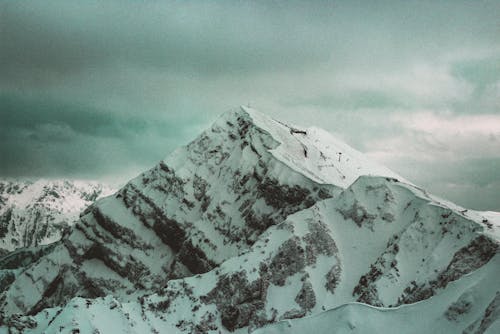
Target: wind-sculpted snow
[[239, 232]]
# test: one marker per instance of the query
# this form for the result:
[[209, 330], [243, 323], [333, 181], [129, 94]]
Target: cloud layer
[[105, 89]]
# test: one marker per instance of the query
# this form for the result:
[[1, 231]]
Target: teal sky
[[105, 89]]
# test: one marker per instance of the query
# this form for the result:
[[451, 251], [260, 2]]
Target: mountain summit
[[261, 226]]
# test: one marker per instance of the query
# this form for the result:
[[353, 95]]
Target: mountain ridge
[[36, 212]]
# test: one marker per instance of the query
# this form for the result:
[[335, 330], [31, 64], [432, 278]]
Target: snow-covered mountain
[[36, 213], [261, 226]]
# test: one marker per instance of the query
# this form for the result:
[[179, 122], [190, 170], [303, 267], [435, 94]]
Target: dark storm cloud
[[205, 37], [30, 114], [220, 37], [43, 137], [107, 88], [473, 183]]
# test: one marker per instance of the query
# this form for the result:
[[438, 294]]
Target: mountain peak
[[314, 152]]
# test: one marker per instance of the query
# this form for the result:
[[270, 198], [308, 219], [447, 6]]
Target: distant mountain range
[[258, 226], [36, 213]]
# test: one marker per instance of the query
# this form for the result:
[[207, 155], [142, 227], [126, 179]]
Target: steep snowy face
[[36, 213], [253, 223]]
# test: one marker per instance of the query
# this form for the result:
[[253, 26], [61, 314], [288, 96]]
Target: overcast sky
[[104, 90]]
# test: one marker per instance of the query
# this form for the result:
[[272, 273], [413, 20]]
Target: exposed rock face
[[245, 227]]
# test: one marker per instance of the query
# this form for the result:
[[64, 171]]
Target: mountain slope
[[322, 258], [468, 306], [254, 222]]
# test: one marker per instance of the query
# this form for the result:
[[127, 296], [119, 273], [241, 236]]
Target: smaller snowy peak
[[317, 154], [487, 221], [36, 212]]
